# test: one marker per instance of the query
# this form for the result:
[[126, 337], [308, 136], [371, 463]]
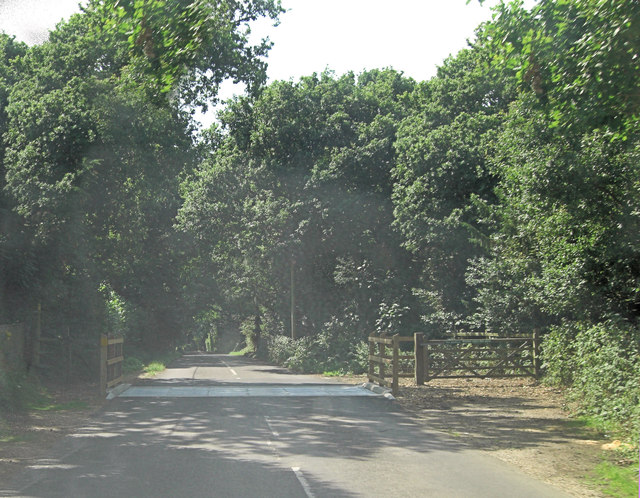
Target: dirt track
[[517, 421]]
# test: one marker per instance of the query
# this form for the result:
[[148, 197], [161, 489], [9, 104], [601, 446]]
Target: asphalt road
[[221, 426]]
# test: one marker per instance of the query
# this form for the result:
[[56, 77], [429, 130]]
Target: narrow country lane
[[222, 426]]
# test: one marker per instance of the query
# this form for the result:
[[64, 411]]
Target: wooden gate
[[486, 357], [111, 359]]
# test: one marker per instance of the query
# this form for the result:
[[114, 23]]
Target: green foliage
[[94, 141], [187, 46], [301, 184], [131, 364], [575, 57], [330, 351], [443, 173], [601, 363]]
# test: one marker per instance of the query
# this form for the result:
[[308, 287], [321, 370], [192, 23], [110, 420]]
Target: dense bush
[[601, 364], [329, 351]]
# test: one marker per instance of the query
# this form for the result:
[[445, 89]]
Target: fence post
[[382, 352], [104, 346], [419, 357], [395, 366], [372, 352], [536, 352], [425, 353]]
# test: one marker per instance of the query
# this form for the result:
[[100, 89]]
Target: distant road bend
[[226, 426]]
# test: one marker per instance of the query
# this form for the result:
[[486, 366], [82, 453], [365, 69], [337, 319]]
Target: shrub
[[332, 350], [132, 364], [601, 364]]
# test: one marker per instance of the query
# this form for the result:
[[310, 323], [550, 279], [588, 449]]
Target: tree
[[187, 47], [443, 173], [311, 164], [96, 142], [16, 265], [567, 166]]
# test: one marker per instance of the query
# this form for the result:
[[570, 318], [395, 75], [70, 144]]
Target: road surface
[[223, 426]]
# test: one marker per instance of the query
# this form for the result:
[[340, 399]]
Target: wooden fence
[[379, 358], [111, 359], [451, 358]]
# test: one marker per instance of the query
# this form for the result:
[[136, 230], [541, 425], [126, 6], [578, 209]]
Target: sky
[[412, 36]]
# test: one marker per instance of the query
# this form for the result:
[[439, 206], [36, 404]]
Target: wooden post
[[104, 346], [419, 357], [425, 353], [382, 352], [536, 352], [395, 366], [372, 352]]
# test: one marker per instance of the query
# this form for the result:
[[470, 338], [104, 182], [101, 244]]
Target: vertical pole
[[419, 357], [395, 366], [104, 345], [536, 352], [293, 301], [372, 353]]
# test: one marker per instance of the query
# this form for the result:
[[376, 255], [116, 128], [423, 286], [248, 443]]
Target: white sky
[[413, 36]]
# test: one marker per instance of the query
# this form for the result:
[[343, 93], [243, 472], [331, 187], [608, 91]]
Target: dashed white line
[[275, 434], [303, 481], [230, 369]]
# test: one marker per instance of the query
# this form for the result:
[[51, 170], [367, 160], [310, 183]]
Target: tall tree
[[443, 173], [313, 161], [567, 162], [16, 265], [97, 138]]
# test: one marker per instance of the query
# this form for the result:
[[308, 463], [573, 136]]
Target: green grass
[[242, 352], [333, 373], [615, 475], [159, 363], [618, 481], [154, 367]]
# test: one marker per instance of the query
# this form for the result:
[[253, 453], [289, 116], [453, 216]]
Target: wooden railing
[[111, 359], [389, 366]]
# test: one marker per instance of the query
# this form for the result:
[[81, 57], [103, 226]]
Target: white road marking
[[230, 369], [296, 470], [275, 434], [303, 481]]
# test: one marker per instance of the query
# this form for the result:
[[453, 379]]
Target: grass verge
[[159, 364], [619, 471], [616, 480], [242, 352]]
